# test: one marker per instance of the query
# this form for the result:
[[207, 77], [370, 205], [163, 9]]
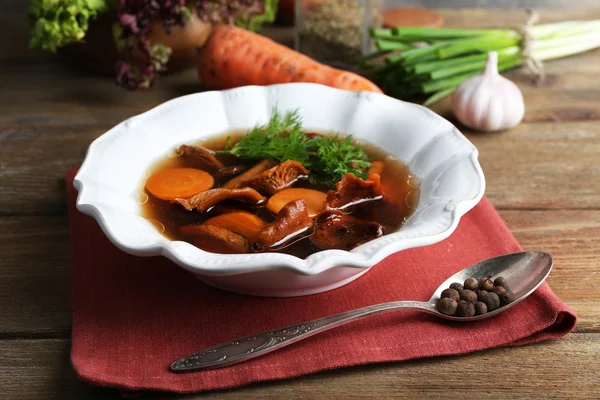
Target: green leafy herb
[[335, 157], [282, 139], [328, 158], [58, 23], [253, 20]]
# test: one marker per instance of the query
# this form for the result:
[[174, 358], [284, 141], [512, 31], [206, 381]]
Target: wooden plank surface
[[28, 279], [536, 165], [566, 368], [35, 284], [72, 108]]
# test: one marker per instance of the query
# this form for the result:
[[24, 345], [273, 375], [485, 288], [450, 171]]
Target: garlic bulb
[[488, 102]]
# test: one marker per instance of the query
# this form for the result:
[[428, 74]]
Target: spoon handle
[[256, 345]]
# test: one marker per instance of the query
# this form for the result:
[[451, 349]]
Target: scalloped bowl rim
[[314, 264]]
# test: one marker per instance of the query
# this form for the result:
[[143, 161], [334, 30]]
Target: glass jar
[[336, 32]]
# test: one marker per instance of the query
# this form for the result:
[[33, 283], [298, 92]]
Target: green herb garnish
[[328, 158], [282, 139], [334, 157]]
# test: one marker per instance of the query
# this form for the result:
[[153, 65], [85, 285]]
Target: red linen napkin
[[133, 316]]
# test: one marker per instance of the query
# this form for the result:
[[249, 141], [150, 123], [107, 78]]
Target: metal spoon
[[523, 271]]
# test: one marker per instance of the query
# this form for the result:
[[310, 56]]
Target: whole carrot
[[235, 57]]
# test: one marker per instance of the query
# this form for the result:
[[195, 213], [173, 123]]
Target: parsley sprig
[[328, 158]]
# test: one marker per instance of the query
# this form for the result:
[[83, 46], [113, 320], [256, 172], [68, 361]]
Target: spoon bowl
[[524, 273]]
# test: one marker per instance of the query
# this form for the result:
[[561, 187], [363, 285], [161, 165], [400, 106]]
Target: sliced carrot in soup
[[241, 222], [314, 200], [179, 182]]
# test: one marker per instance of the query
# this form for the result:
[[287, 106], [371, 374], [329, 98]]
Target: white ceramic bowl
[[116, 163]]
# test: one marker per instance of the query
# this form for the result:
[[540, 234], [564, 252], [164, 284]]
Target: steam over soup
[[279, 188]]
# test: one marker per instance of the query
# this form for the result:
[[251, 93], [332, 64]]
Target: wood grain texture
[[542, 165], [35, 285], [566, 368], [536, 165], [571, 236], [63, 96], [50, 114]]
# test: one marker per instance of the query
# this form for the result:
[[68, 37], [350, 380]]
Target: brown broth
[[400, 188]]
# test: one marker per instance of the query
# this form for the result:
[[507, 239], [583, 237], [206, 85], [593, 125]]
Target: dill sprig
[[282, 139], [334, 157], [328, 158]]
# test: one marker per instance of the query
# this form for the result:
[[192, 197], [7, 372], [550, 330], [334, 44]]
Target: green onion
[[383, 44], [481, 45], [439, 96], [453, 55]]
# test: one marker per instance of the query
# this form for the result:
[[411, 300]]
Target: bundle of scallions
[[406, 68]]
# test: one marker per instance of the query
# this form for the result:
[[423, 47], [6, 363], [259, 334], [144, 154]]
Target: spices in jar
[[336, 31]]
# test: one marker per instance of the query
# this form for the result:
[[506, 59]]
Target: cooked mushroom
[[241, 222], [278, 178], [204, 156], [216, 239], [291, 224], [336, 230], [251, 173], [205, 200], [351, 191], [230, 172]]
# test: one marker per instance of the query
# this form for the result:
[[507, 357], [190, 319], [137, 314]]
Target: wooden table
[[543, 176]]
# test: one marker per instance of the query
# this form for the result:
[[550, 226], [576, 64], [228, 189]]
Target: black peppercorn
[[447, 306], [505, 297], [465, 309], [481, 294], [500, 281], [480, 308], [451, 293], [499, 289], [486, 284], [469, 296], [457, 286], [471, 284], [492, 301]]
